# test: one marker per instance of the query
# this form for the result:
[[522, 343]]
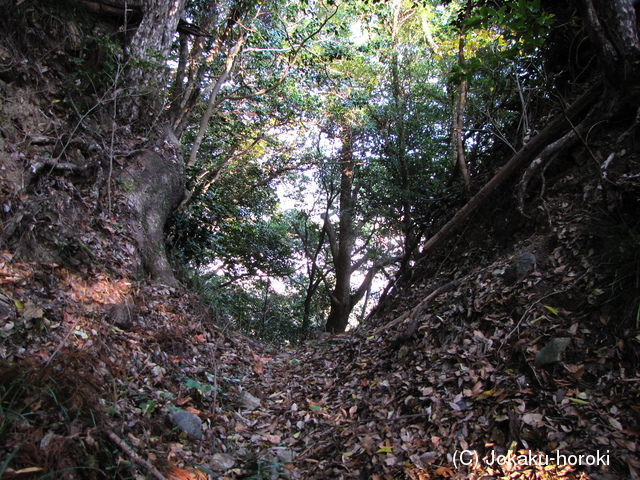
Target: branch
[[416, 313], [287, 69], [54, 164], [359, 263], [313, 256], [231, 59], [315, 268], [541, 162], [333, 242], [233, 280], [153, 471], [366, 283], [361, 248], [185, 86], [216, 174]]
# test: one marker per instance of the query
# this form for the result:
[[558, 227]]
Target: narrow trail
[[403, 400]]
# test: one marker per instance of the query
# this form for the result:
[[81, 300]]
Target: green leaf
[[80, 334], [190, 383], [315, 408], [551, 309], [384, 450], [148, 406]]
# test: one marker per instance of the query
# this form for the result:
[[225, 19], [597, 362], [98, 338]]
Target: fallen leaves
[[464, 380]]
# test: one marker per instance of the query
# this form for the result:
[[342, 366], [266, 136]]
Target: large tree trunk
[[612, 27], [154, 188], [150, 46], [157, 175], [342, 300]]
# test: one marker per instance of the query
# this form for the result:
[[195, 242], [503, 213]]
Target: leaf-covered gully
[[506, 344]]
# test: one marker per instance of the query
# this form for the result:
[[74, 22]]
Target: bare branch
[[333, 242], [368, 279]]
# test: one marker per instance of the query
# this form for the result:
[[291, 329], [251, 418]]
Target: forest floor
[[106, 377]]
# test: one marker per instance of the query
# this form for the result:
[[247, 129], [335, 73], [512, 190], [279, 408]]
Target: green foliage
[[388, 69], [522, 23], [202, 389], [98, 64], [274, 318], [237, 234], [252, 306]]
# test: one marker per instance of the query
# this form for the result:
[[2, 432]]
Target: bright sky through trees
[[281, 193]]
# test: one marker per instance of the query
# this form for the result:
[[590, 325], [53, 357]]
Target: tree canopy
[[283, 89]]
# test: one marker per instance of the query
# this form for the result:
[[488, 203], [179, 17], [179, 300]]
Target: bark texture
[[148, 50], [156, 31], [612, 27], [154, 188]]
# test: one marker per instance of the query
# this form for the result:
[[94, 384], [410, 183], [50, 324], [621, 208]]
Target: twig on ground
[[153, 471], [416, 313]]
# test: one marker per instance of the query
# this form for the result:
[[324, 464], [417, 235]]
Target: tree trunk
[[306, 312], [341, 305], [213, 97], [150, 46], [315, 278], [395, 132], [153, 188], [461, 102], [612, 27], [342, 300], [314, 273], [398, 152], [459, 142], [185, 89], [155, 177]]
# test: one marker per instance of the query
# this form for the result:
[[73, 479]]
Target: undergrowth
[[46, 410], [618, 254]]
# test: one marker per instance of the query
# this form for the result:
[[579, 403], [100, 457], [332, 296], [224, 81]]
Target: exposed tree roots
[[546, 138]]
